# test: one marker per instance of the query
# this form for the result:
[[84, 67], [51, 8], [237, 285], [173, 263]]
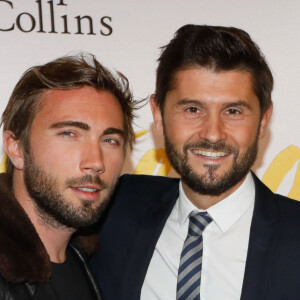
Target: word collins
[[53, 22]]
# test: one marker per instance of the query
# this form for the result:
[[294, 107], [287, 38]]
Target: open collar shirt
[[225, 245]]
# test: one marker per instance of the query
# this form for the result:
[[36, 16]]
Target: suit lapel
[[146, 238], [258, 262]]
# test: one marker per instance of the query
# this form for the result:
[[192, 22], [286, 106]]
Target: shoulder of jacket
[[148, 179]]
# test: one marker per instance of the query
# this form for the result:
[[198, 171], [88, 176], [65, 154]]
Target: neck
[[205, 201], [54, 239]]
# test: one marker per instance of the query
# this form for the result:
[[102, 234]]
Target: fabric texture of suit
[[139, 211]]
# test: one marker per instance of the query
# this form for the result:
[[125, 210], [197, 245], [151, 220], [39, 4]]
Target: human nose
[[92, 158], [213, 129]]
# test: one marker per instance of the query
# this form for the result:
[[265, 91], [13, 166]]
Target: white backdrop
[[126, 35]]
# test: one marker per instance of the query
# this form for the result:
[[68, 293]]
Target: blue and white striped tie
[[189, 272]]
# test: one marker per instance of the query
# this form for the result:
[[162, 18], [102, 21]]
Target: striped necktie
[[189, 272]]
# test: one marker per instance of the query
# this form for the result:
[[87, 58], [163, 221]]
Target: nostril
[[94, 169], [101, 170]]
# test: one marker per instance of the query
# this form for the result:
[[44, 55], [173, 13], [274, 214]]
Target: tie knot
[[198, 222]]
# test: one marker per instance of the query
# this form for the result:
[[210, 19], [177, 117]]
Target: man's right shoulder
[[140, 181], [143, 189]]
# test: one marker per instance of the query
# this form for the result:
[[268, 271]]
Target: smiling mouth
[[210, 154], [89, 190]]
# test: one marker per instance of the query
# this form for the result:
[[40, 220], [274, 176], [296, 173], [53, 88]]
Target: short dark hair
[[216, 48], [65, 73]]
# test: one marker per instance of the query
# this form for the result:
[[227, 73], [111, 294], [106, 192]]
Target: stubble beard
[[51, 206], [209, 183]]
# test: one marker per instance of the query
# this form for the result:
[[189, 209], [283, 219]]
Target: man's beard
[[209, 183], [51, 206]]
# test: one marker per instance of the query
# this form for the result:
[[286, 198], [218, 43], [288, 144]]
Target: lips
[[87, 192], [87, 187], [83, 189], [210, 154]]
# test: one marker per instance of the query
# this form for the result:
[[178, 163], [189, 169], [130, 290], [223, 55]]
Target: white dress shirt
[[225, 245]]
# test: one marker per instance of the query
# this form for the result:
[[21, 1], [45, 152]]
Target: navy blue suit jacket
[[139, 212]]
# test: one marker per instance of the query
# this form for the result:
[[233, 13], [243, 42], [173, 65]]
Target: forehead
[[84, 104], [208, 82]]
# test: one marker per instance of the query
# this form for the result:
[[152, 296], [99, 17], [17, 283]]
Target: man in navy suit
[[212, 104]]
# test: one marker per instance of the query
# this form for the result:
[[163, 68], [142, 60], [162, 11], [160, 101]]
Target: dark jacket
[[138, 215], [25, 267]]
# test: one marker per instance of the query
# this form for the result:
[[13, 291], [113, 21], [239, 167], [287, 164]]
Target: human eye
[[192, 109], [110, 141], [113, 141], [233, 111], [67, 134]]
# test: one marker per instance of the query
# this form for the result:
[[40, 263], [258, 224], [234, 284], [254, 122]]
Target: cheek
[[54, 157], [113, 162], [243, 136], [179, 132]]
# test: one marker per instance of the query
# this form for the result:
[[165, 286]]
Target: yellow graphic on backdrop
[[150, 160], [138, 134], [2, 165], [280, 166]]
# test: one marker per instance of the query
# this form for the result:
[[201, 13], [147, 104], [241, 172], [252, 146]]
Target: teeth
[[87, 190], [210, 154]]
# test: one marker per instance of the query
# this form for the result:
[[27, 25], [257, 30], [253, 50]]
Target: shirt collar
[[226, 212]]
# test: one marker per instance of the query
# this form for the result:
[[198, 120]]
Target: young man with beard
[[218, 233], [66, 127]]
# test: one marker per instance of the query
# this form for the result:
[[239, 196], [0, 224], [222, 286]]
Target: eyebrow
[[77, 124], [237, 104], [84, 126], [187, 101], [112, 130]]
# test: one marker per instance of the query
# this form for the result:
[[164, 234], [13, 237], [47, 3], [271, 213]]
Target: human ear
[[157, 116], [13, 149], [265, 120]]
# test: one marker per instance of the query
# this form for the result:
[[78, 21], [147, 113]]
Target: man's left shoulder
[[287, 207]]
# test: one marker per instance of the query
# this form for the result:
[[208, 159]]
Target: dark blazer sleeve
[[273, 262], [139, 209]]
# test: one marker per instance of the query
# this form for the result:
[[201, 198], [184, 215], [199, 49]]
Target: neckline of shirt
[[226, 212]]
